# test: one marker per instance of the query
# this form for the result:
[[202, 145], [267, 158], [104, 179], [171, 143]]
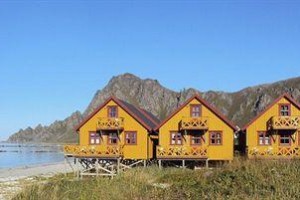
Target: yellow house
[[195, 132], [117, 132], [275, 133]]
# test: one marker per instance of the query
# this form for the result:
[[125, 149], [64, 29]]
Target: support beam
[[118, 165], [183, 163], [145, 163], [159, 164], [206, 163]]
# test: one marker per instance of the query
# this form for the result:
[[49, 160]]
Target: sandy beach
[[13, 179]]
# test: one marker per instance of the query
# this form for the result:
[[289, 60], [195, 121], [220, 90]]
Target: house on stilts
[[195, 132], [116, 136]]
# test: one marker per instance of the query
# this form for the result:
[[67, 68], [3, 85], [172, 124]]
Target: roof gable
[[206, 104], [140, 116], [286, 96]]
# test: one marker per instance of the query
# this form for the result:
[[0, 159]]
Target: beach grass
[[241, 179]]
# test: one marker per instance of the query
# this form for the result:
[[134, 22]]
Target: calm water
[[21, 155]]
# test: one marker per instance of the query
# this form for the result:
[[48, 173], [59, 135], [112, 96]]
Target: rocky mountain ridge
[[150, 95]]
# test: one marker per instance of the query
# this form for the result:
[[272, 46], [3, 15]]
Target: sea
[[14, 155]]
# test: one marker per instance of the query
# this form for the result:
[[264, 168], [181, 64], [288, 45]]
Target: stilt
[[118, 165], [145, 163], [183, 163], [65, 163], [206, 163], [159, 164], [78, 170]]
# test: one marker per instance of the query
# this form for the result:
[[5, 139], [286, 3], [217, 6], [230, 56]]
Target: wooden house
[[275, 133], [195, 131], [117, 134]]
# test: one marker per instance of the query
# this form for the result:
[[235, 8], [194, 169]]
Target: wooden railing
[[106, 123], [93, 151], [277, 152], [194, 123], [284, 122], [181, 152]]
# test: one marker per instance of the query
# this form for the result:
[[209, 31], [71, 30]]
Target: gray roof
[[139, 113]]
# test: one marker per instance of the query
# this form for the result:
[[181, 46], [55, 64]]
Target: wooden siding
[[262, 123], [142, 150], [205, 150]]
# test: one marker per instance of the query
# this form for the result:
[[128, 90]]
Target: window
[[196, 140], [195, 110], [263, 138], [130, 138], [285, 139], [113, 138], [94, 138], [112, 111], [284, 110], [176, 138], [215, 138]]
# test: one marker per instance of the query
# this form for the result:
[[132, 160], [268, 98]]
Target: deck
[[182, 152], [284, 123], [276, 153], [194, 123], [97, 151], [106, 123]]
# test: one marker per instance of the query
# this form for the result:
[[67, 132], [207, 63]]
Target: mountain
[[239, 106]]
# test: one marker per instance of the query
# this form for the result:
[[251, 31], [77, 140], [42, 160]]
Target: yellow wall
[[261, 125], [215, 152], [138, 151]]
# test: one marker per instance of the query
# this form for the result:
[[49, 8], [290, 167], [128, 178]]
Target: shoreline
[[14, 179], [20, 172]]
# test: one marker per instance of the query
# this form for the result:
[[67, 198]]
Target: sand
[[13, 179]]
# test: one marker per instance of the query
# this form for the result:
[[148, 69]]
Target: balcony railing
[[274, 152], [194, 123], [106, 123], [93, 151], [181, 152], [284, 123]]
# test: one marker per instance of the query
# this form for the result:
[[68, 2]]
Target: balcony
[[106, 123], [181, 152], [274, 152], [103, 151], [284, 123], [194, 123]]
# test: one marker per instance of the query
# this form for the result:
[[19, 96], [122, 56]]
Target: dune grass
[[241, 179]]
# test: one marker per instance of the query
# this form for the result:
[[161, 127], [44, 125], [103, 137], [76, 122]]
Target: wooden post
[[97, 167], [78, 170], [118, 165], [206, 163], [183, 163], [159, 164], [145, 163]]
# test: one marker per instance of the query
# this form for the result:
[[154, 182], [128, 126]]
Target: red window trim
[[284, 104], [94, 132], [195, 105], [215, 144], [108, 139], [108, 111], [131, 133], [285, 145], [265, 133], [171, 132]]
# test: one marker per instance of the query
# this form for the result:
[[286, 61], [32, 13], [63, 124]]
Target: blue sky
[[55, 55]]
